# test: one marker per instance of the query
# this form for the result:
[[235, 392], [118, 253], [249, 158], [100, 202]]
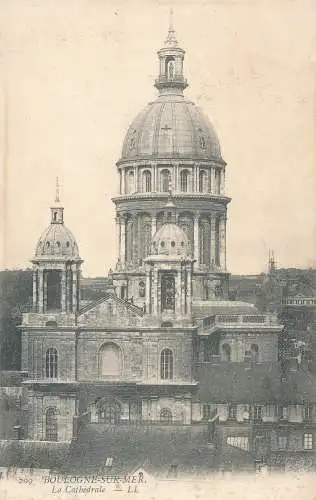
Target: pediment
[[110, 311]]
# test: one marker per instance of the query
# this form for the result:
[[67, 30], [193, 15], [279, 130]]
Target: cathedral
[[165, 347]]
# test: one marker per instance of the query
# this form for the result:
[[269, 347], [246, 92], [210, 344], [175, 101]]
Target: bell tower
[[171, 58], [56, 266]]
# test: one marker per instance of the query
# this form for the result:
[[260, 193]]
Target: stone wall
[[40, 402]]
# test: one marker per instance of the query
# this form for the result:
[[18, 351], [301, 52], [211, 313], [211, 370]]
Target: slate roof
[[204, 308], [259, 383]]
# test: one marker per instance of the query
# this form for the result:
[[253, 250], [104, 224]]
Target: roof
[[57, 241], [260, 382], [152, 448], [171, 127], [170, 239], [204, 308]]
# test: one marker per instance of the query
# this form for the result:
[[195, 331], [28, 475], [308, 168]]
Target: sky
[[74, 74]]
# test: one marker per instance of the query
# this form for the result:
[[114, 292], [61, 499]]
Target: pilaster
[[35, 290], [196, 239], [222, 242], [63, 290], [213, 239]]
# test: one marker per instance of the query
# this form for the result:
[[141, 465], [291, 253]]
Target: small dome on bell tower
[[171, 58], [56, 266]]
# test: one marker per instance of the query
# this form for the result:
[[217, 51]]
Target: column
[[136, 188], [123, 239], [196, 239], [179, 295], [118, 236], [222, 185], [156, 177], [69, 290], [45, 291], [162, 68], [154, 292], [222, 242], [74, 288], [135, 238], [41, 290], [123, 176], [148, 292], [34, 290], [213, 240], [213, 187], [63, 290], [176, 182], [153, 225], [197, 171]]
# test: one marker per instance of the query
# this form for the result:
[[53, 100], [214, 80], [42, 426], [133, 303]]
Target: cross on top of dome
[[171, 40]]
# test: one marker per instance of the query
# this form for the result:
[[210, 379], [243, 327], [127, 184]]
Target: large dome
[[171, 127]]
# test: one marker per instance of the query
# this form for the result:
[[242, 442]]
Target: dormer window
[[132, 144]]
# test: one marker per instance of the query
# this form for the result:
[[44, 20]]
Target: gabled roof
[[110, 312], [135, 309]]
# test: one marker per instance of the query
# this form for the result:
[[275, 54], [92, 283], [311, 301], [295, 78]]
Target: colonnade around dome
[[183, 178], [206, 234]]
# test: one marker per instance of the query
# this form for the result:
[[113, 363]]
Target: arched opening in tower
[[168, 292], [53, 282]]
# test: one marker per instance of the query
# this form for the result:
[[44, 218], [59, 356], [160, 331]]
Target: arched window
[[147, 181], [170, 67], [167, 292], [144, 236], [226, 352], [51, 425], [217, 181], [165, 180], [186, 222], [202, 142], [205, 241], [130, 181], [166, 416], [202, 181], [254, 353], [184, 177], [109, 412], [110, 360], [51, 363], [166, 364], [141, 289]]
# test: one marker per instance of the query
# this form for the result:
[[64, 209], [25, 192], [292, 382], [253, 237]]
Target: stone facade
[[144, 353]]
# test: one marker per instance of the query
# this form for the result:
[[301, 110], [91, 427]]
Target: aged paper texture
[[158, 235]]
